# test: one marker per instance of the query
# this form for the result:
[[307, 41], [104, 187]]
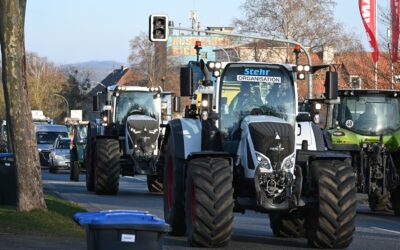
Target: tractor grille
[[143, 133], [274, 140]]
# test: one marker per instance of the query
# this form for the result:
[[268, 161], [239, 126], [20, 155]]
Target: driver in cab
[[245, 100], [368, 119]]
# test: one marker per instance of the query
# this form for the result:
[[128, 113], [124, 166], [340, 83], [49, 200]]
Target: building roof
[[111, 79]]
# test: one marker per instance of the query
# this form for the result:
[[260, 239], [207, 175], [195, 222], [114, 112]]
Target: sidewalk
[[20, 242]]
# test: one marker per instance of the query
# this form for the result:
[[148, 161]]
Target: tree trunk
[[18, 108]]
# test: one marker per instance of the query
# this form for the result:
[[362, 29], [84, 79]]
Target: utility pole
[[390, 55]]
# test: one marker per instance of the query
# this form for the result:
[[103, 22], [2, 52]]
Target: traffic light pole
[[310, 82]]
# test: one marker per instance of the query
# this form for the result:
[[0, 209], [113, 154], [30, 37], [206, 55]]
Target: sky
[[72, 31]]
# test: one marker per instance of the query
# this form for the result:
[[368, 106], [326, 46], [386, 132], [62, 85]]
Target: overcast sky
[[71, 31]]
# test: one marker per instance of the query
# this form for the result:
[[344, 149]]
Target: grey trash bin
[[122, 229], [8, 180]]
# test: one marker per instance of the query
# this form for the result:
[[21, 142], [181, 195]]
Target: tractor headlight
[[263, 161], [288, 162]]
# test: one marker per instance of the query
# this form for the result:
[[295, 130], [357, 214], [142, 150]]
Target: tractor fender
[[185, 134]]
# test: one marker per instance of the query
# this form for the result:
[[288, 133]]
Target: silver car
[[59, 157]]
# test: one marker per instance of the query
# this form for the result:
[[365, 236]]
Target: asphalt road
[[251, 230]]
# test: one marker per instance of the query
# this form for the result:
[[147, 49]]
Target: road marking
[[138, 178], [390, 231]]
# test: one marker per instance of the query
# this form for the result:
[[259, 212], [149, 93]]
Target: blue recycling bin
[[8, 180], [122, 229]]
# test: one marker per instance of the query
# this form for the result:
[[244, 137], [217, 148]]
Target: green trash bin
[[8, 180]]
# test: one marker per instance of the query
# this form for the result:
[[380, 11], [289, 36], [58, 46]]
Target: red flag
[[367, 11], [395, 11]]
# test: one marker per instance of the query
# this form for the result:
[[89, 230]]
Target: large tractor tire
[[287, 224], [75, 170], [209, 202], [379, 201], [90, 159], [395, 198], [173, 182], [154, 184], [330, 222], [107, 169]]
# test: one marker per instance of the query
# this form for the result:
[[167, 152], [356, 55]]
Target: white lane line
[[386, 230], [141, 178]]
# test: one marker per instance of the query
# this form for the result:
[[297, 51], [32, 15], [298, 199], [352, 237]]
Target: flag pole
[[376, 32]]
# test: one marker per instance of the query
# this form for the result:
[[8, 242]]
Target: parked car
[[45, 137], [59, 157]]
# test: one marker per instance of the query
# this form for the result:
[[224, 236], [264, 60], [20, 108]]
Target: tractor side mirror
[[96, 102], [177, 104], [186, 81], [331, 85]]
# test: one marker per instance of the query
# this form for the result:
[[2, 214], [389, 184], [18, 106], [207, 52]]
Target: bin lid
[[117, 217]]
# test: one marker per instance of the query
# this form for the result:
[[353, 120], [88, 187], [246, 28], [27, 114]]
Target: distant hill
[[98, 69]]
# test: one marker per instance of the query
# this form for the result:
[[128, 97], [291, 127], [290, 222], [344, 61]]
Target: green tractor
[[366, 123], [78, 149]]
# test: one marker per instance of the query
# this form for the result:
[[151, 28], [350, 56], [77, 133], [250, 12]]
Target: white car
[[59, 157]]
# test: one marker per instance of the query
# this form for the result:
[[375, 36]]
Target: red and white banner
[[367, 10], [395, 11]]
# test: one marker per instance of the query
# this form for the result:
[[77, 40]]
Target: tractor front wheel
[[379, 201], [209, 202], [107, 167], [330, 221], [173, 183], [154, 184], [74, 166], [395, 198], [287, 224]]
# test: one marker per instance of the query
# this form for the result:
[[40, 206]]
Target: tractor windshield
[[135, 102], [255, 89], [370, 115]]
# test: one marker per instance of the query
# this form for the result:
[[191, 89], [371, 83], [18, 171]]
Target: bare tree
[[142, 57], [29, 181], [151, 61], [310, 22]]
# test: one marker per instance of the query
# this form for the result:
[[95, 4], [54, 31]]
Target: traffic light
[[158, 28]]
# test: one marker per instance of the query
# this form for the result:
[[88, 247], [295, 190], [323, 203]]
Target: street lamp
[[66, 102]]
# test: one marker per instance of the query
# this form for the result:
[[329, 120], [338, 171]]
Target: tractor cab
[[124, 101], [368, 112], [254, 98]]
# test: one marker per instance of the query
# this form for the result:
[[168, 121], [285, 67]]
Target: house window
[[355, 82]]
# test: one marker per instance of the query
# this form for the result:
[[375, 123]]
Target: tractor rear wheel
[[395, 198], [173, 183], [209, 202], [154, 184], [330, 222], [379, 201], [287, 224], [107, 167]]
